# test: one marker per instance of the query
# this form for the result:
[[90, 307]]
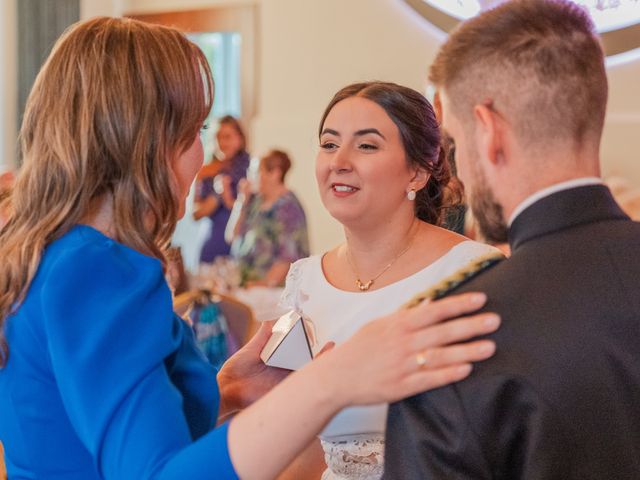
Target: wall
[[308, 49], [95, 8], [621, 141], [8, 84], [8, 70]]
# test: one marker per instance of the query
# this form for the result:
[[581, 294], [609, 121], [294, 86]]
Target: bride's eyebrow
[[358, 133], [329, 131], [365, 131]]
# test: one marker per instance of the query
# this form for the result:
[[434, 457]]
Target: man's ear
[[489, 134]]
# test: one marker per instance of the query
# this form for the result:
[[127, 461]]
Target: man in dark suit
[[522, 92]]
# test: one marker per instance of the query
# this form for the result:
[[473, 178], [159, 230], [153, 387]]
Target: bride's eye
[[328, 145], [367, 146]]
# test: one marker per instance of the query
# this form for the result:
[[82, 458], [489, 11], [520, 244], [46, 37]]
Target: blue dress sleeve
[[116, 349]]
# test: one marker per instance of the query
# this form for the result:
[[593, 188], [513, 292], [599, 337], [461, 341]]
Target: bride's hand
[[409, 351], [244, 377]]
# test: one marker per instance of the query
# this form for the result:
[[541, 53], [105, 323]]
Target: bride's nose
[[341, 161]]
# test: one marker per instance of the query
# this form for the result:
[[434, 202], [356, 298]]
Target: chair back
[[239, 317], [222, 324]]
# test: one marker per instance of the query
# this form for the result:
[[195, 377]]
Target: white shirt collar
[[545, 192]]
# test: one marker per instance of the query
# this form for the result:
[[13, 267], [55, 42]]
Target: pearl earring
[[411, 195]]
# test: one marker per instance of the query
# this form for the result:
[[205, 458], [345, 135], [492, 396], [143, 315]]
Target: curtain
[[40, 23]]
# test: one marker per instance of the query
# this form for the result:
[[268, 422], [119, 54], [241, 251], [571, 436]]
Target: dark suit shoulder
[[566, 372]]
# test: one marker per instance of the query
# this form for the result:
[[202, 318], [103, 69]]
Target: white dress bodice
[[358, 432]]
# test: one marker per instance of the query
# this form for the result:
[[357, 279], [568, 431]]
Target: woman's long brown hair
[[115, 103]]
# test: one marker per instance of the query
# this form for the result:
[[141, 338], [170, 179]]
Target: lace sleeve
[[289, 300]]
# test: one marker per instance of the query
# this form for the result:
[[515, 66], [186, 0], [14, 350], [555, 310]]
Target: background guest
[[268, 228], [217, 186]]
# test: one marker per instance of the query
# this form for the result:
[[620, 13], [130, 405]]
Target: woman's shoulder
[[101, 278], [449, 250], [300, 272], [86, 255], [239, 165], [473, 248], [465, 253], [452, 243], [289, 210], [302, 267], [289, 200]]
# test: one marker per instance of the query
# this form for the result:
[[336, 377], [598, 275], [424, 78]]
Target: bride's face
[[361, 167]]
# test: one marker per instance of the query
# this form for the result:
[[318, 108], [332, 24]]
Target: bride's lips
[[343, 189]]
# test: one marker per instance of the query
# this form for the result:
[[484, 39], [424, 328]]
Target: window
[[222, 50], [607, 14], [618, 21]]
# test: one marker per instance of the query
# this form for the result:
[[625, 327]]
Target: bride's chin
[[346, 218]]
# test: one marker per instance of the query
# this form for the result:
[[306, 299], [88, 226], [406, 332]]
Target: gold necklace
[[364, 286]]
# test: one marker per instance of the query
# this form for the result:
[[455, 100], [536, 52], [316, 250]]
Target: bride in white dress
[[381, 173]]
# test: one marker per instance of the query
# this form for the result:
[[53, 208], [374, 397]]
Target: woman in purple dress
[[217, 187], [268, 227]]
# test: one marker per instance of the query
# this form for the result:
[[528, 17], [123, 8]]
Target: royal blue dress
[[103, 380]]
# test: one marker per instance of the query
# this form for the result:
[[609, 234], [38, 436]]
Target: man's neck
[[532, 169]]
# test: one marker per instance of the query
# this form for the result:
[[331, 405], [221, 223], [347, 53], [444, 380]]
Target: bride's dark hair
[[412, 113]]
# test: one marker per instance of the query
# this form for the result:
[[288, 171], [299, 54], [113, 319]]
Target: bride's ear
[[419, 180]]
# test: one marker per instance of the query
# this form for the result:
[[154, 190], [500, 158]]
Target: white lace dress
[[353, 442]]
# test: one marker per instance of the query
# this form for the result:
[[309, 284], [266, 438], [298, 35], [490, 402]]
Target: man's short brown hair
[[537, 62]]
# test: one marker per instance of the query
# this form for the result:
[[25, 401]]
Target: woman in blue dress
[[98, 378]]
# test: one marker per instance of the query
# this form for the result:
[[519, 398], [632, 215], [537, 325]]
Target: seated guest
[[268, 229], [217, 186]]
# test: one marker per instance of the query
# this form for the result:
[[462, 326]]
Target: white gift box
[[289, 346]]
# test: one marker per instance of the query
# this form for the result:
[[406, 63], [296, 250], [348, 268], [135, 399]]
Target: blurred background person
[[217, 186], [268, 228]]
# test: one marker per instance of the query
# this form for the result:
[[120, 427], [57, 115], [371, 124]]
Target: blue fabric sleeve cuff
[[206, 458], [225, 459]]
